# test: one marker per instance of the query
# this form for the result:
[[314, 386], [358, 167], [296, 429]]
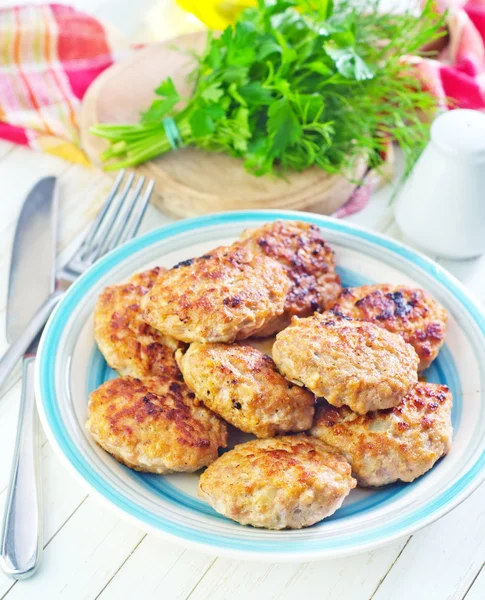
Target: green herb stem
[[136, 143]]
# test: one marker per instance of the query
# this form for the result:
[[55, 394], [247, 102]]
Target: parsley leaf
[[167, 89], [283, 126], [255, 94], [160, 107], [203, 120], [213, 92], [348, 63]]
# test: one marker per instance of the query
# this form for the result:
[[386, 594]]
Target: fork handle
[[21, 345], [21, 537]]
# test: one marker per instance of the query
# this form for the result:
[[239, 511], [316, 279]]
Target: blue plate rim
[[448, 499]]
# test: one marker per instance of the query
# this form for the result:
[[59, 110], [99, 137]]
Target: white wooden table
[[91, 553]]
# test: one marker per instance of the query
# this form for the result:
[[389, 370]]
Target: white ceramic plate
[[69, 367]]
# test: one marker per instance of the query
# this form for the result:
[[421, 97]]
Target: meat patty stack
[[339, 404]]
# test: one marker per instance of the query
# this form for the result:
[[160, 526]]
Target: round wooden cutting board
[[191, 182]]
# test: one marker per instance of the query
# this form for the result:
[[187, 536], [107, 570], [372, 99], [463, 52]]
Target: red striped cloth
[[49, 55], [457, 76]]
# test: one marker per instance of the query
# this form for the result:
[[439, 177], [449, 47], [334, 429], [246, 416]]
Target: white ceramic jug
[[441, 207]]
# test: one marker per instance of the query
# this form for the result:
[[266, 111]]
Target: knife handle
[[20, 346], [21, 537]]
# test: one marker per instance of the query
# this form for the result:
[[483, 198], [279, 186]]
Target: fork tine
[[124, 215], [103, 240], [134, 223], [118, 222], [97, 223]]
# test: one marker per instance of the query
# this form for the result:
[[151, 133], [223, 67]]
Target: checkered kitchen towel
[[49, 54]]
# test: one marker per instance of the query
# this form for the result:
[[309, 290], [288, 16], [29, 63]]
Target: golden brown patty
[[411, 312], [156, 425], [242, 385], [309, 263], [291, 481], [401, 443], [224, 296], [347, 362], [129, 345]]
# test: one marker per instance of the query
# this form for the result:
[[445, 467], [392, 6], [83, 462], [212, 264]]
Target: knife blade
[[32, 266], [32, 279]]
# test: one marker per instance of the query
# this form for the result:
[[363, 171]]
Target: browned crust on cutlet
[[309, 262], [288, 481], [224, 296], [154, 425], [347, 361], [243, 386], [400, 443], [410, 312], [129, 345]]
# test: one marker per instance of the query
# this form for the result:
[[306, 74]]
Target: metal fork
[[117, 222]]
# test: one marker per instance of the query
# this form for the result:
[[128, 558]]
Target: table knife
[[32, 280]]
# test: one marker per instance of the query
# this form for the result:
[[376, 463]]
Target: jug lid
[[461, 132]]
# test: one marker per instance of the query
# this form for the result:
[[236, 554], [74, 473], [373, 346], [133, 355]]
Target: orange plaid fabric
[[49, 54]]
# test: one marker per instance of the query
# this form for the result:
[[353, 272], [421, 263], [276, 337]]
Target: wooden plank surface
[[158, 569], [82, 556], [477, 589], [350, 578], [442, 560]]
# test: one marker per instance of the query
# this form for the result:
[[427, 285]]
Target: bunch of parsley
[[295, 83]]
